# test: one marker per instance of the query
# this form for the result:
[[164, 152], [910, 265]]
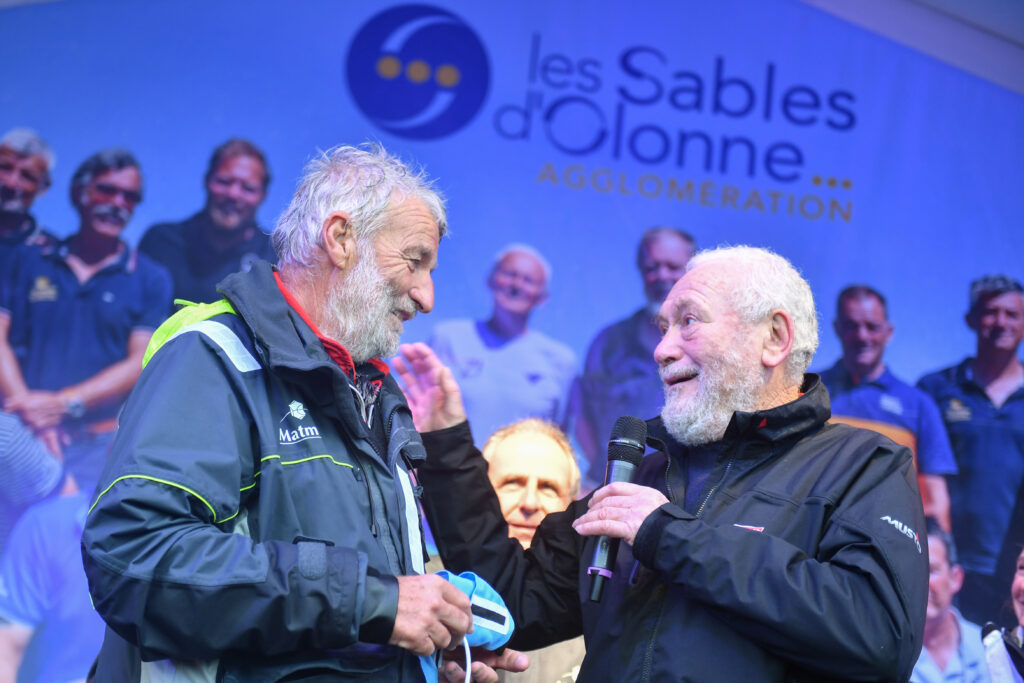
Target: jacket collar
[[766, 427], [286, 339]]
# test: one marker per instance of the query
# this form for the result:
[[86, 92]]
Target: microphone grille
[[628, 439]]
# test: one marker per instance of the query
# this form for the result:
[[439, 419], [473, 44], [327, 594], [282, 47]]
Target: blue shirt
[[966, 665], [195, 265], [620, 377], [506, 380], [63, 331], [893, 402], [29, 233], [989, 447], [43, 587]]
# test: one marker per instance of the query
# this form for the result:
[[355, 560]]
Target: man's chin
[[522, 534]]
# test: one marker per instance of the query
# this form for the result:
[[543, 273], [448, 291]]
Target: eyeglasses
[[110, 191]]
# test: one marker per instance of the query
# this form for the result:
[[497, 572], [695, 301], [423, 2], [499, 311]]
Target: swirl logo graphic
[[418, 71]]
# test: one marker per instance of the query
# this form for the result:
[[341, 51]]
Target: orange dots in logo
[[388, 67], [448, 76], [846, 184], [418, 71]]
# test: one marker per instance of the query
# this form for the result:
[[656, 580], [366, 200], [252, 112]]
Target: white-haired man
[[507, 370], [25, 164], [761, 542], [257, 520]]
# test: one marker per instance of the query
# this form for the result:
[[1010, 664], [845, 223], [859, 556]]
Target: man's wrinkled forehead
[[708, 286], [14, 155]]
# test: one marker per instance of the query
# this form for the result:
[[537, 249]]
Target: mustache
[[119, 214], [675, 372], [407, 310], [12, 200]]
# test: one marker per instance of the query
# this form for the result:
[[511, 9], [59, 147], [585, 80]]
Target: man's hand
[[433, 395], [53, 441], [484, 664], [618, 510], [37, 409], [432, 614]]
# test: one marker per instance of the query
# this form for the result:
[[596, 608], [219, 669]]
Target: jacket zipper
[[373, 445], [714, 488], [648, 655]]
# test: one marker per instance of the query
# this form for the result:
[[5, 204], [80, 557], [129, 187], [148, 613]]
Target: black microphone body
[[625, 451]]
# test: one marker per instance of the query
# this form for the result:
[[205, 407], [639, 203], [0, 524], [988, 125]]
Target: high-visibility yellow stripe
[[203, 500], [312, 457], [160, 481]]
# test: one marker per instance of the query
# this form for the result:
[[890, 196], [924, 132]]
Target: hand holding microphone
[[618, 509]]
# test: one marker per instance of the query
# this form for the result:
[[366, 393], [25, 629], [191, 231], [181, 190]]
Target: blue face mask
[[492, 624]]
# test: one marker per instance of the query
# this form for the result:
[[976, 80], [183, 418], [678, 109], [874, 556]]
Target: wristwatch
[[74, 406]]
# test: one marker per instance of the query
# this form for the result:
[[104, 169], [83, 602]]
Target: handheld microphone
[[625, 451]]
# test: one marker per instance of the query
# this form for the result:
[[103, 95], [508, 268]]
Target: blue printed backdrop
[[572, 126]]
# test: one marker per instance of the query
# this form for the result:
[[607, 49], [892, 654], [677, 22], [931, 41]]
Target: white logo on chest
[[299, 433]]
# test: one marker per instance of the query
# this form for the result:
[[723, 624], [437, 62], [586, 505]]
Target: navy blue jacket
[[246, 527]]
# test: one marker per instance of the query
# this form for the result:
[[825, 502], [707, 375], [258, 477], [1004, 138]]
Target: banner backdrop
[[571, 126]]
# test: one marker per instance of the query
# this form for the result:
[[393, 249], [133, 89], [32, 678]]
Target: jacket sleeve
[[166, 549], [538, 585], [856, 605]]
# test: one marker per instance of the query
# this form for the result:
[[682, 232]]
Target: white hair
[[770, 283], [365, 182], [27, 143], [522, 248]]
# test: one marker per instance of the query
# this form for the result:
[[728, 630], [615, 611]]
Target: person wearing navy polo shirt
[[75, 319], [223, 238], [25, 164], [866, 394], [30, 472], [982, 403]]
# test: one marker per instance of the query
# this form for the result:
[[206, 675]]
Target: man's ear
[[971, 319], [956, 573], [778, 341], [338, 240]]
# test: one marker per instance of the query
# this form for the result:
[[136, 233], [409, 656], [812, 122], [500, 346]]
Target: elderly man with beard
[[761, 542], [25, 164], [257, 521], [75, 319]]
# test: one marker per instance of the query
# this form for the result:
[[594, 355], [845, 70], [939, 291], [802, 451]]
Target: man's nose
[[423, 294], [235, 191], [529, 505], [121, 201], [667, 351]]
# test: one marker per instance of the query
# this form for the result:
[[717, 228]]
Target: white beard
[[725, 386], [360, 311]]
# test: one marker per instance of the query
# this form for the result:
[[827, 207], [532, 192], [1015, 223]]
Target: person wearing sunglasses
[[75, 319]]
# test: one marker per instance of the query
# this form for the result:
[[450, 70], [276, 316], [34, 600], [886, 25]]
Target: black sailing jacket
[[807, 560]]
